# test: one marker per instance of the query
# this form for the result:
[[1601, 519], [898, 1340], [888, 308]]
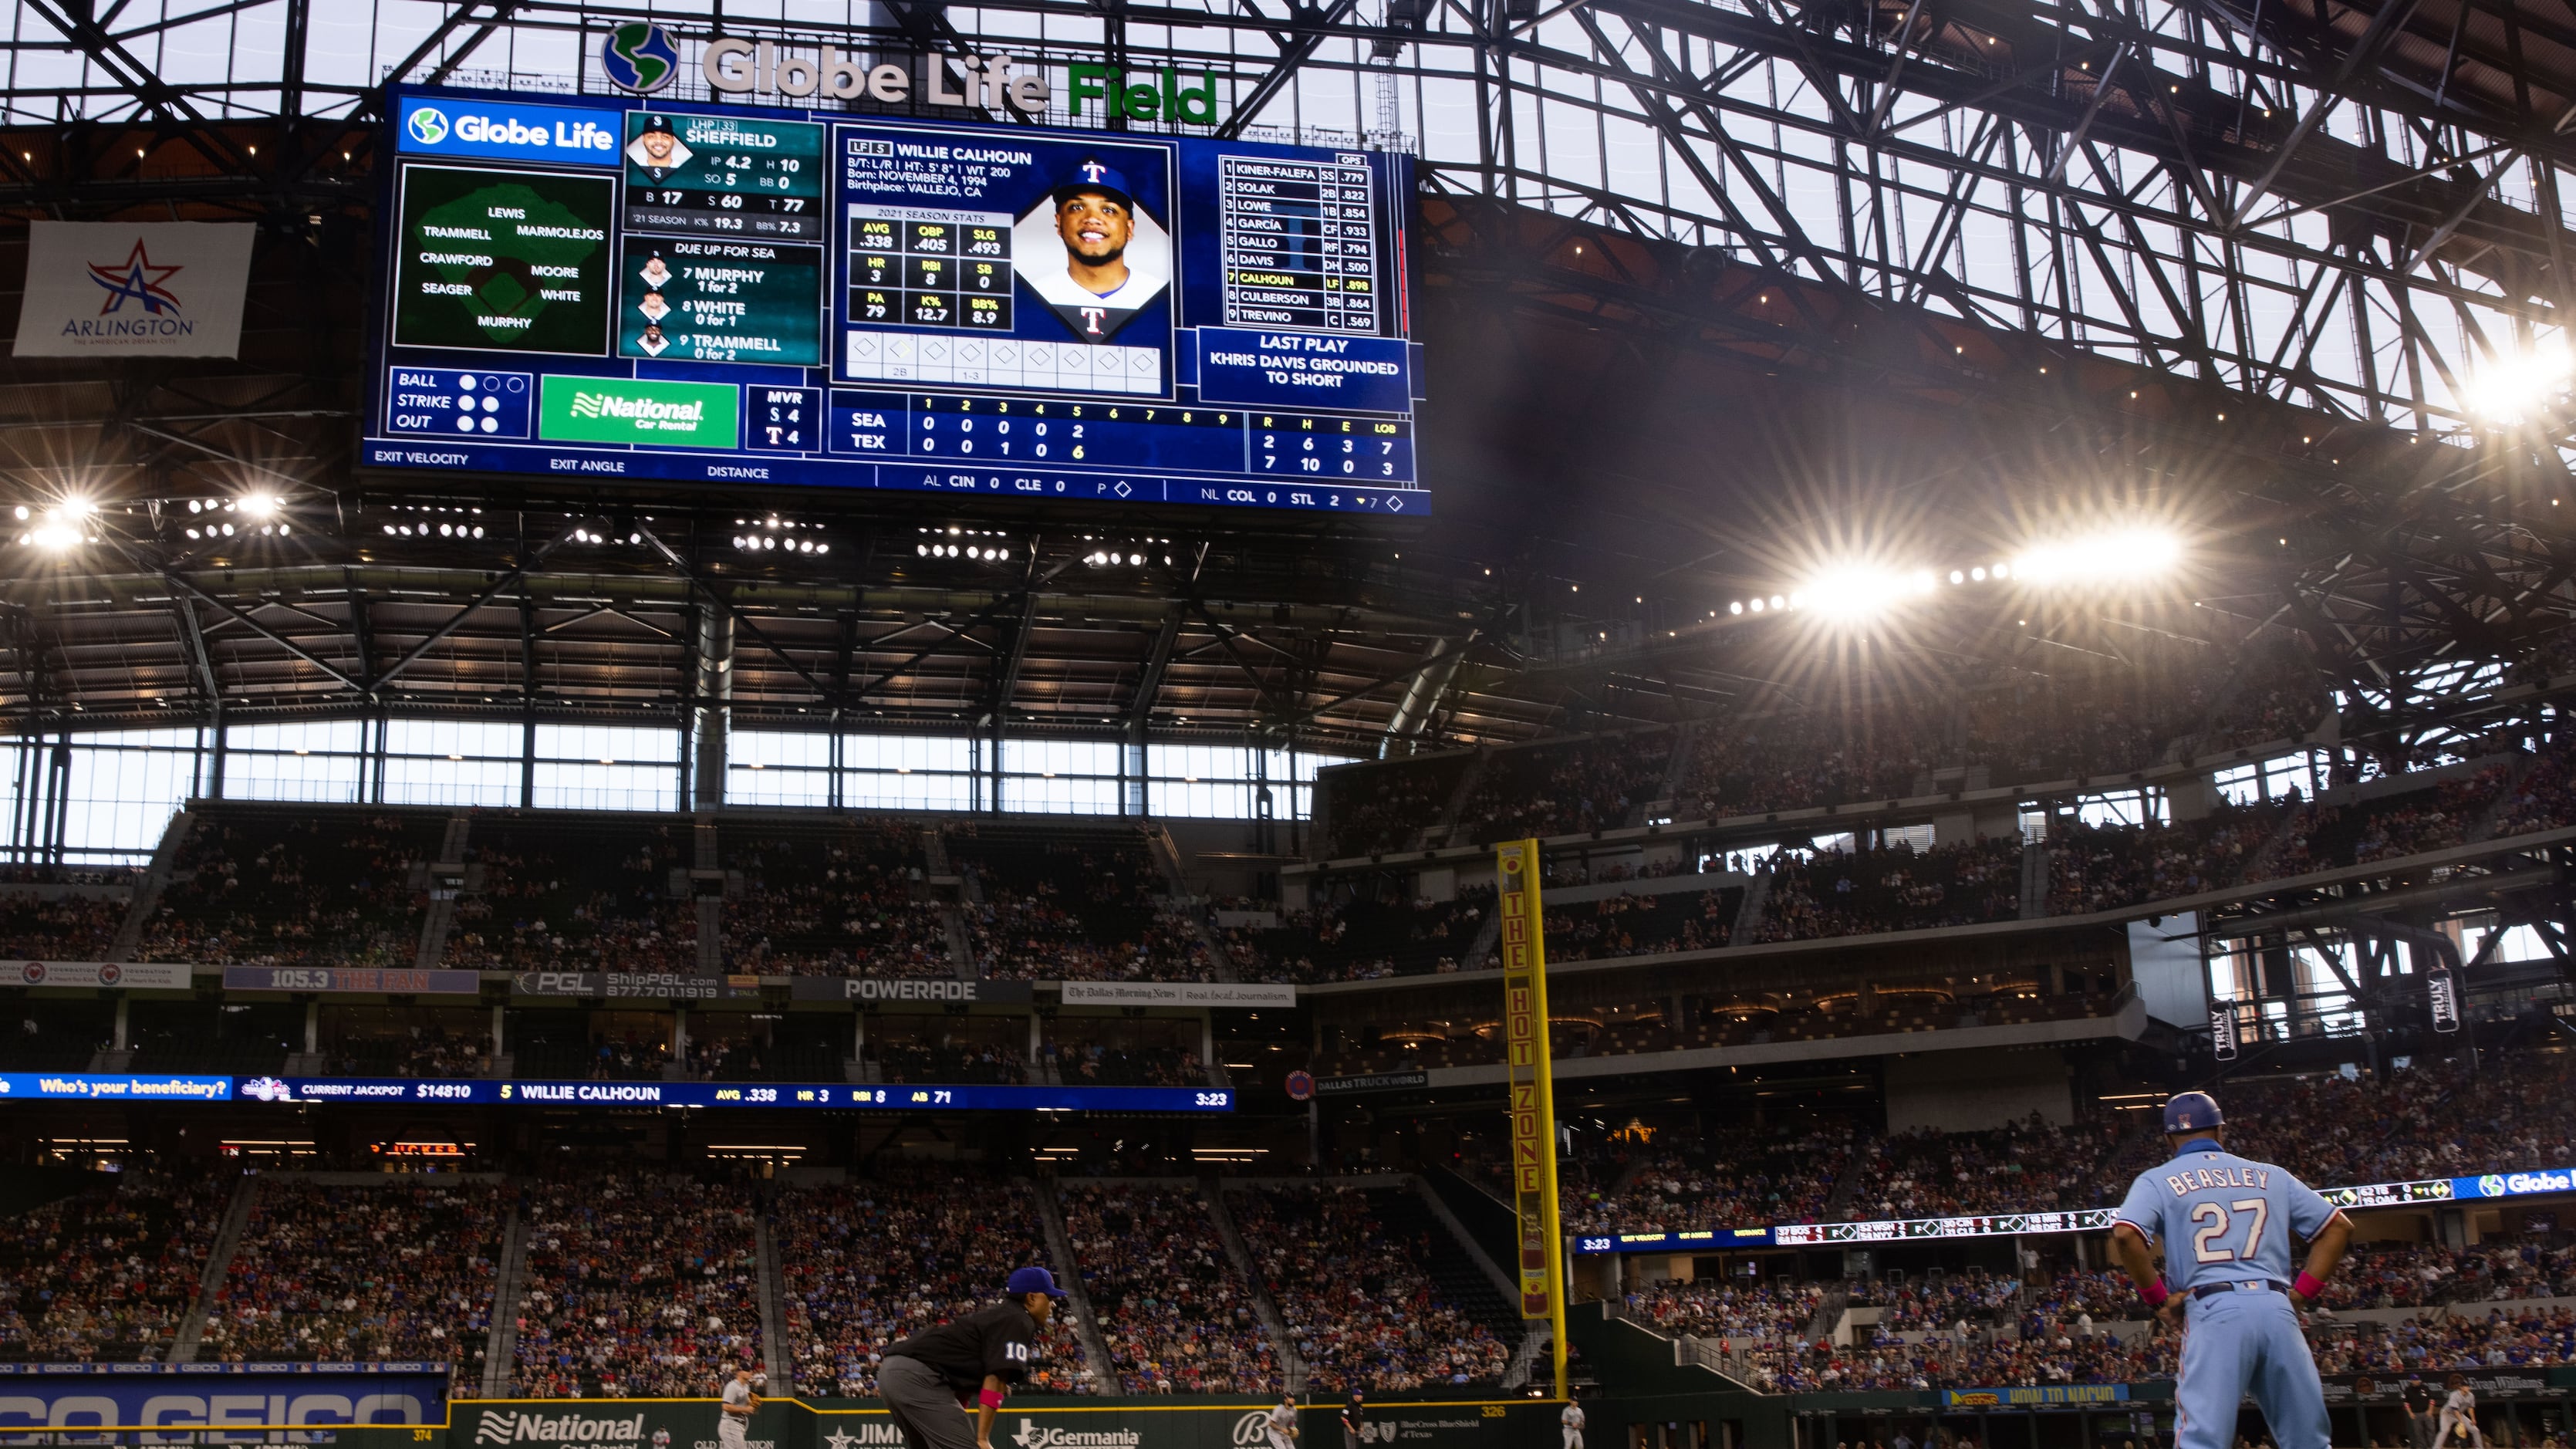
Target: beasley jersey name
[[2221, 1218]]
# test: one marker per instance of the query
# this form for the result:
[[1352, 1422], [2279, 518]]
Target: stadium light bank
[[1855, 591]]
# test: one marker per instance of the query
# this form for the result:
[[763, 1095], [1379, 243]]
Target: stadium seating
[[637, 1285], [576, 893], [1900, 889], [1360, 1304], [846, 897], [1363, 938], [340, 1274], [1557, 789], [65, 928], [296, 886], [106, 1275], [1072, 905], [1175, 1314], [1373, 808], [905, 1248]]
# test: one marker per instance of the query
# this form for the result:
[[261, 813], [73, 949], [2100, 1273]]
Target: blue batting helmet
[[2191, 1112]]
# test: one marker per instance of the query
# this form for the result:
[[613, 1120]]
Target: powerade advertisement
[[745, 295]]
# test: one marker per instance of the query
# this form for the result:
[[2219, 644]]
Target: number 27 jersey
[[2221, 1218]]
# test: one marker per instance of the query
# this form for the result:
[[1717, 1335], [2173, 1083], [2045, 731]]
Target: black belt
[[2251, 1285]]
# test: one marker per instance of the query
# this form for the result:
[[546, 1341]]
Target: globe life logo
[[736, 67]]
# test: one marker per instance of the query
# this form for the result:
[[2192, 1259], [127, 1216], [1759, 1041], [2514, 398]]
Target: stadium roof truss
[[2351, 210], [2352, 206]]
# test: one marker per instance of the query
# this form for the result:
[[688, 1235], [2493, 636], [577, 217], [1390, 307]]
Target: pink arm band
[[2310, 1286], [990, 1398], [2156, 1293]]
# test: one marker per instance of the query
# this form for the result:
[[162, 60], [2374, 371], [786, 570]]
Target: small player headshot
[[656, 274], [658, 149], [1091, 253], [653, 307], [653, 341]]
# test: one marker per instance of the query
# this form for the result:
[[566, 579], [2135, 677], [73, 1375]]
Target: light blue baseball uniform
[[2226, 1225]]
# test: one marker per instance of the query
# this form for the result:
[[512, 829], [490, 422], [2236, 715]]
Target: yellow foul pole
[[1532, 1083]]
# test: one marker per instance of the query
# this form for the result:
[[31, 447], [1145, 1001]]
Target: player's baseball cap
[[1032, 1279], [1094, 176], [2192, 1112], [658, 123]]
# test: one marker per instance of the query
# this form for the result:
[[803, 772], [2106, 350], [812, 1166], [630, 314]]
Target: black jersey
[[1000, 1340]]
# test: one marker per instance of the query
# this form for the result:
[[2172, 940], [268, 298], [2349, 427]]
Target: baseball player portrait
[[658, 151], [967, 1361], [1091, 253], [2459, 1414], [2225, 1224], [734, 1409]]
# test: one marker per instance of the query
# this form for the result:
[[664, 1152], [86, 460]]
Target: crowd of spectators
[[575, 895], [1728, 1177], [948, 1061], [1365, 809], [350, 1274], [1642, 925], [1362, 938], [106, 1274], [66, 928], [2525, 1337], [906, 1248], [1596, 783], [1831, 893], [636, 1285], [2106, 867], [294, 888], [422, 1051], [1176, 1316], [1079, 908], [1932, 1301], [2415, 1275], [851, 900], [1359, 1306], [2031, 1166], [1098, 1064], [1714, 1308]]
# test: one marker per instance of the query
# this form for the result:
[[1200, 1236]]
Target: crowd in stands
[[106, 1274], [1373, 808], [1093, 1064], [1732, 1177], [636, 1285], [1175, 1315], [1073, 909], [420, 1052], [1642, 925], [2029, 1167], [905, 1248], [350, 1274], [292, 888], [575, 895], [1364, 938], [1593, 784], [1359, 1306], [947, 1061], [1894, 889], [1714, 1308], [2106, 867], [66, 928], [2415, 1275], [850, 901]]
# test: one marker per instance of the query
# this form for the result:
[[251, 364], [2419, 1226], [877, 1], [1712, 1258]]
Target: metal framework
[[2280, 238]]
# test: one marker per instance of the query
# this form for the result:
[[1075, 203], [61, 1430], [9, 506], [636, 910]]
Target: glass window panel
[[905, 752], [565, 785], [410, 780], [779, 747], [608, 744], [758, 784], [123, 788], [918, 790], [443, 737]]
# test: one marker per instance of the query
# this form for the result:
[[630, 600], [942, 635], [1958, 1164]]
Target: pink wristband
[[2310, 1286], [990, 1398], [2156, 1293]]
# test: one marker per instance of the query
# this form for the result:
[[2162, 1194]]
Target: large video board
[[729, 295]]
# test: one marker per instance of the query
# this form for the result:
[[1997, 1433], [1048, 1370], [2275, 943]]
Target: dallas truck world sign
[[644, 57]]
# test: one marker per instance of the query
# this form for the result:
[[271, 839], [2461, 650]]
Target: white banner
[[1176, 993], [134, 289], [130, 975]]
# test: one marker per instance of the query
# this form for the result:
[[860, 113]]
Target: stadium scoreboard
[[732, 295]]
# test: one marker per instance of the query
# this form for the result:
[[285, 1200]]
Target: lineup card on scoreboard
[[740, 295]]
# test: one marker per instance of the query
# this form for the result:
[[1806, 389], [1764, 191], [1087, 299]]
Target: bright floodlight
[[1861, 591], [2116, 557], [259, 505], [2516, 385]]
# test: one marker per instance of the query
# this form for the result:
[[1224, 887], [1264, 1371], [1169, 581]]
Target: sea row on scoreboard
[[1100, 486]]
